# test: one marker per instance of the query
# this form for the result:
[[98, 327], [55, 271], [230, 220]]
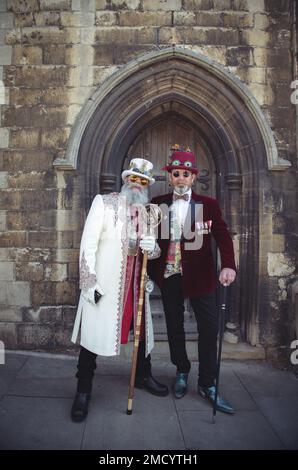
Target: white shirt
[[180, 207]]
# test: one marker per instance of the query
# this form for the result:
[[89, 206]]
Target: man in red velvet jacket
[[186, 269]]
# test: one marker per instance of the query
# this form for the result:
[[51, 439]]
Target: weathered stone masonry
[[55, 58]]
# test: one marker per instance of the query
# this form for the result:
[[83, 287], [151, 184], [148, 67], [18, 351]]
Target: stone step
[[240, 351]]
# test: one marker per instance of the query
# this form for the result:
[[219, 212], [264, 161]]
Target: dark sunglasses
[[176, 174]]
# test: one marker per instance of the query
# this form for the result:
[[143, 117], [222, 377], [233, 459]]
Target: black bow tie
[[180, 196]]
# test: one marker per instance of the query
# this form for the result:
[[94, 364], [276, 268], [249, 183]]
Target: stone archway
[[193, 88]]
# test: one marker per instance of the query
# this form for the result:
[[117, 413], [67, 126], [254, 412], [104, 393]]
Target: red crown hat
[[182, 160]]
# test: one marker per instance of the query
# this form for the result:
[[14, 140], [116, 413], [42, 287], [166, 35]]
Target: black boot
[[86, 366], [152, 386], [144, 377], [79, 409]]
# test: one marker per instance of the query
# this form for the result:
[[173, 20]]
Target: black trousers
[[87, 365], [205, 311]]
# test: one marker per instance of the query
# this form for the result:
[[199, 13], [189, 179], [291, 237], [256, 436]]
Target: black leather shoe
[[221, 403], [180, 385], [152, 386], [79, 409]]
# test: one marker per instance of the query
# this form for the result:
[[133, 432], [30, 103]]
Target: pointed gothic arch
[[191, 86]]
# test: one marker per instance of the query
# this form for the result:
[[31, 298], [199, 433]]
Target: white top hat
[[139, 167]]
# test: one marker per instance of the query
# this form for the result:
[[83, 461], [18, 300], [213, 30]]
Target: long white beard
[[135, 196]]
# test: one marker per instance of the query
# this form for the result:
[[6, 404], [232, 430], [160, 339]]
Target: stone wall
[[54, 55]]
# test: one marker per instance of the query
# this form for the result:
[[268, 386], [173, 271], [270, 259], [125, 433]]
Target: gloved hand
[[89, 294], [147, 243]]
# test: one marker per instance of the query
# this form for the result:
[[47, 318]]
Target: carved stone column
[[234, 183], [108, 183]]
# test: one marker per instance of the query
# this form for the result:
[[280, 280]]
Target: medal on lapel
[[203, 228], [209, 223]]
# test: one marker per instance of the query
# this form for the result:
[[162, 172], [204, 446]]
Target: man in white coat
[[110, 265]]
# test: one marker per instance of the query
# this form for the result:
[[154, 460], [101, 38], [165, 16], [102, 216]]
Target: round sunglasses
[[185, 173], [134, 178]]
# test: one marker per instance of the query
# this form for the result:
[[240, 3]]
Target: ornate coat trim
[[112, 200], [87, 279], [124, 249]]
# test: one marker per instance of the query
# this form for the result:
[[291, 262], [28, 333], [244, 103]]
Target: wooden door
[[154, 143]]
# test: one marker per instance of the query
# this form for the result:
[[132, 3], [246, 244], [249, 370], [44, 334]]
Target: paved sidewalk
[[36, 393]]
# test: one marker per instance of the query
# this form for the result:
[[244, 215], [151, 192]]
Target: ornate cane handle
[[150, 217]]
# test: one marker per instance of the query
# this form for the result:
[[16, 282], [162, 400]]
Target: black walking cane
[[221, 332]]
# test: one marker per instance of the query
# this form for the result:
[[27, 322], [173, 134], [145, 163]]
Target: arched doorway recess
[[231, 131]]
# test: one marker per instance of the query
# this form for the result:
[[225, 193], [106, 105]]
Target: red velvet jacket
[[199, 275]]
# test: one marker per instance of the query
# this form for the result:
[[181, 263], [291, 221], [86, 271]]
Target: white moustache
[[134, 185]]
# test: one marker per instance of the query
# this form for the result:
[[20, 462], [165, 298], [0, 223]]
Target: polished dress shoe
[[221, 403], [180, 385], [152, 386], [79, 409]]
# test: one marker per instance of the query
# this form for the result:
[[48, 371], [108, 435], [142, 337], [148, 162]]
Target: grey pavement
[[36, 393]]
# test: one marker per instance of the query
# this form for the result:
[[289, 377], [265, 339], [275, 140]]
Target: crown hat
[[139, 167], [181, 160]]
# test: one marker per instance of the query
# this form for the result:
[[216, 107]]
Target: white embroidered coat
[[103, 257]]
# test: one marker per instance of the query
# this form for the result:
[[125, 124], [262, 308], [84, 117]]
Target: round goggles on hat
[[134, 178], [179, 163]]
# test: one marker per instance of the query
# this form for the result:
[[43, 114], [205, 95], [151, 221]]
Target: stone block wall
[[53, 56]]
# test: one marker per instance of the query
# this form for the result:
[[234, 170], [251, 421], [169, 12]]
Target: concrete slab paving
[[9, 371], [38, 424], [13, 362], [44, 367], [6, 379], [38, 389], [282, 414], [246, 430], [152, 425], [42, 387], [263, 379], [45, 377], [141, 430]]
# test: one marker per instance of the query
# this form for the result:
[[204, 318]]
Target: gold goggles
[[135, 178]]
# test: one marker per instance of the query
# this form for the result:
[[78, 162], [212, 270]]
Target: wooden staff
[[151, 216], [137, 335]]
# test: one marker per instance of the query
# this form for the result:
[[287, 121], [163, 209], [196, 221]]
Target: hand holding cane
[[221, 332], [152, 218]]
